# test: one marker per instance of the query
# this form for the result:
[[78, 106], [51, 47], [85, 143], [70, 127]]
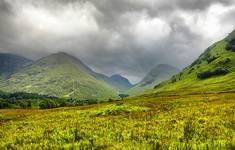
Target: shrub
[[64, 104], [220, 71], [23, 104], [111, 100], [118, 109], [173, 79], [160, 85], [230, 46], [122, 96], [216, 72], [191, 70], [4, 104], [225, 61], [47, 104], [211, 59]]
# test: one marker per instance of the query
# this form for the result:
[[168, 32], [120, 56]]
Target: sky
[[127, 37]]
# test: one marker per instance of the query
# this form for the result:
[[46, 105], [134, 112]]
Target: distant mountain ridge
[[162, 71], [121, 85], [121, 82], [9, 63], [158, 74], [60, 75]]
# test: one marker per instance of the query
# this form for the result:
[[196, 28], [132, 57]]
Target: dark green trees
[[216, 72], [122, 96], [48, 104]]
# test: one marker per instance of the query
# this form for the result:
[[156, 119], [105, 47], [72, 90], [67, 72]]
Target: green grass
[[147, 122], [138, 90]]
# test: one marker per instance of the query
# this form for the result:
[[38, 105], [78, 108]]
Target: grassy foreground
[[150, 122]]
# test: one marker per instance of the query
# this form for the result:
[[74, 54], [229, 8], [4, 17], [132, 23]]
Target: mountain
[[121, 82], [59, 75], [156, 75], [9, 63], [212, 72]]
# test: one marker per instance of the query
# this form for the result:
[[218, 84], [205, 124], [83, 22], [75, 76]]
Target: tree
[[216, 72], [47, 104], [230, 46], [122, 96]]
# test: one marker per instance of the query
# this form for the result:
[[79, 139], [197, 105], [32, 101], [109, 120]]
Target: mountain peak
[[121, 80], [61, 54], [119, 77], [59, 58]]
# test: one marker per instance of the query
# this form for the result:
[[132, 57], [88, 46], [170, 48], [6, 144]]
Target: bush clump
[[47, 104], [173, 79], [211, 59], [216, 72], [230, 46], [118, 109], [225, 61]]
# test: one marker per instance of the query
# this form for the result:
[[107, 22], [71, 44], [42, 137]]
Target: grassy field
[[147, 122]]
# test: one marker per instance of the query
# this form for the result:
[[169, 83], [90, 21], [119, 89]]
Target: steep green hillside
[[59, 75], [213, 71], [156, 75], [9, 63]]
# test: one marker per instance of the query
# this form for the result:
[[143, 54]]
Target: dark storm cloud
[[115, 36], [201, 4]]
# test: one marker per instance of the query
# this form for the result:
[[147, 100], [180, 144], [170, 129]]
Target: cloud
[[115, 36], [149, 31]]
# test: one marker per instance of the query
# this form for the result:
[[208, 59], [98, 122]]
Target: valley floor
[[173, 122]]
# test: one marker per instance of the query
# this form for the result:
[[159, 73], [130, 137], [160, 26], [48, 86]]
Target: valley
[[117, 75]]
